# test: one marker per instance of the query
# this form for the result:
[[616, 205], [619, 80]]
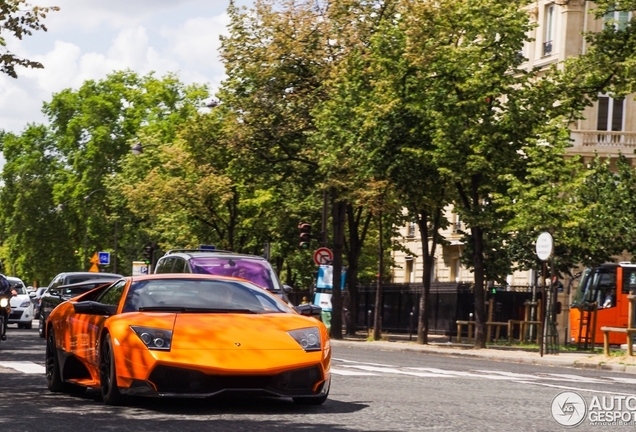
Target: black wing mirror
[[94, 308], [309, 310]]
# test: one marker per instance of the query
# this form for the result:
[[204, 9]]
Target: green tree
[[33, 246], [19, 19]]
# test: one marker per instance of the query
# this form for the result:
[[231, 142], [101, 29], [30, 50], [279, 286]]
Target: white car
[[21, 305]]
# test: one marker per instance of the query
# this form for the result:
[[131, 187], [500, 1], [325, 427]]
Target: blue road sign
[[104, 258]]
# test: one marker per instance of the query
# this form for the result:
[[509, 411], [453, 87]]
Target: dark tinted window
[[113, 294], [179, 266], [165, 265]]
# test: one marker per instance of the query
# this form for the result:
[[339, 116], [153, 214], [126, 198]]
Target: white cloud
[[90, 39]]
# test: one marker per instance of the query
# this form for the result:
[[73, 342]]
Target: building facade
[[608, 127]]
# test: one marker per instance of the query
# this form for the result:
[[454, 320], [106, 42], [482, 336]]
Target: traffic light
[[148, 251], [305, 235]]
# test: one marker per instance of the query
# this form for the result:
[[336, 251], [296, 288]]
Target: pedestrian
[[304, 301]]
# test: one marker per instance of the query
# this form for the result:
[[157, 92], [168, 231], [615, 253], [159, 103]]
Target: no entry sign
[[323, 256]]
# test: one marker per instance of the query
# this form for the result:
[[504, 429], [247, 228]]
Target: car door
[[85, 328]]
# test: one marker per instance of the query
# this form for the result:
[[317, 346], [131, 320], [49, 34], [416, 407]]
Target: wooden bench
[[522, 329], [628, 336]]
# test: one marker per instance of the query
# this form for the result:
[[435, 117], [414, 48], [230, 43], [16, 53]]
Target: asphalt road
[[372, 390]]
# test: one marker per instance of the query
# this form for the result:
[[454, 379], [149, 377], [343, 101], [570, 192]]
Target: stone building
[[608, 127]]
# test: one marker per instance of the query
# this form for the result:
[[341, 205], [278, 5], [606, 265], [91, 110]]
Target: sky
[[88, 39]]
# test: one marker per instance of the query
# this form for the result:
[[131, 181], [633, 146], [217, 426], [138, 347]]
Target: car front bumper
[[20, 316]]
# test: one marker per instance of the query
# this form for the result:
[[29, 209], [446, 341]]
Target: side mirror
[[33, 295], [309, 310], [94, 308], [287, 289], [53, 292]]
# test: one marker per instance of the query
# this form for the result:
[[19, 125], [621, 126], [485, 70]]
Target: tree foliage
[[19, 19]]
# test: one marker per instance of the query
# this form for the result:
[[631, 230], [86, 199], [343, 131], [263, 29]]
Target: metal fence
[[449, 302]]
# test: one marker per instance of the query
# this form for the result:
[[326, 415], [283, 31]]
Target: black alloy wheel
[[107, 375], [53, 375]]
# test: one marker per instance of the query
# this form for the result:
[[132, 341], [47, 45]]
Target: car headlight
[[154, 339], [307, 338], [25, 303], [4, 302]]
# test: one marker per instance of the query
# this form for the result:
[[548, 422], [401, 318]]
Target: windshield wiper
[[194, 309]]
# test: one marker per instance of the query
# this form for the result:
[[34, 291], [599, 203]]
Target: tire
[[107, 374], [53, 374], [20, 325], [41, 326], [28, 325], [312, 400]]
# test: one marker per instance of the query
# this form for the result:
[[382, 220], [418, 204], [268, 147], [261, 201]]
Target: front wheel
[[107, 374]]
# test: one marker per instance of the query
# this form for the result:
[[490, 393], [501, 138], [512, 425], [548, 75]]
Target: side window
[[113, 294], [56, 283], [179, 266], [629, 280], [165, 265]]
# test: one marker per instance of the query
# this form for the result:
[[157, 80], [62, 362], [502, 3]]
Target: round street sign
[[323, 256], [544, 246]]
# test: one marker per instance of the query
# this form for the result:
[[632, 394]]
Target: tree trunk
[[357, 233], [377, 321], [480, 295]]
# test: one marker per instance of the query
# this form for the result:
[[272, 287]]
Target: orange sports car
[[186, 335]]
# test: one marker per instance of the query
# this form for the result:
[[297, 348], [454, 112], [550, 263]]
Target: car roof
[[15, 279], [160, 276], [87, 282], [200, 253], [96, 275]]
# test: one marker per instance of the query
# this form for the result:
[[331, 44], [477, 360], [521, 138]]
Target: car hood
[[221, 331], [16, 301], [225, 331]]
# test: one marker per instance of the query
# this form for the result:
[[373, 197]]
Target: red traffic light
[[305, 235]]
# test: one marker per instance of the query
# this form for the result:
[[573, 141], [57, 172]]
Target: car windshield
[[20, 290], [256, 271], [199, 295]]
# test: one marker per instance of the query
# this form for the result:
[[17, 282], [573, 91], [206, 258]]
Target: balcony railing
[[607, 139]]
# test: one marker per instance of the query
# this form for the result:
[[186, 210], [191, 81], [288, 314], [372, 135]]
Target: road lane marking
[[24, 367], [613, 393], [362, 363], [397, 371], [351, 373]]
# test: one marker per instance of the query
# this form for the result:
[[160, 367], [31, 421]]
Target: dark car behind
[[66, 286]]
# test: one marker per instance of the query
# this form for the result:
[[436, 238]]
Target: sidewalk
[[440, 345]]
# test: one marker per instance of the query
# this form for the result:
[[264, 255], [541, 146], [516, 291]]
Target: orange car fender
[[132, 359]]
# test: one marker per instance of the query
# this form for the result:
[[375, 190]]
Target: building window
[[618, 19], [411, 230], [548, 36], [409, 273], [610, 114], [610, 117]]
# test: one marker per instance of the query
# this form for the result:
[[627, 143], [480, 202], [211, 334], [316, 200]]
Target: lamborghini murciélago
[[179, 335]]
